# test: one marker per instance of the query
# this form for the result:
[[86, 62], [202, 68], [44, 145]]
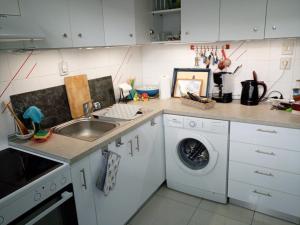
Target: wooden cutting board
[[78, 92]]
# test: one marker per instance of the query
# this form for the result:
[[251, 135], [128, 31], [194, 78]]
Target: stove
[[31, 185], [18, 169]]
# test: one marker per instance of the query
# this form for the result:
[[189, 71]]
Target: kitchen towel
[[164, 88], [109, 170]]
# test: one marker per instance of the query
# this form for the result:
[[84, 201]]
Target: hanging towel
[[109, 170]]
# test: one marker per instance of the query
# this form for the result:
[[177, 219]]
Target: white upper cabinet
[[242, 19], [283, 18], [86, 23], [200, 20], [126, 22], [9, 7], [53, 19]]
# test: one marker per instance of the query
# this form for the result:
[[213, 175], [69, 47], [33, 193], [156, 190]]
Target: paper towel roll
[[164, 88]]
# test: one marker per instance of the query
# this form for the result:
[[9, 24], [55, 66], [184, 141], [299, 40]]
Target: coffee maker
[[222, 90]]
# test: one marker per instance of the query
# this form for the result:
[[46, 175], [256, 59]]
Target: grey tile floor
[[169, 207]]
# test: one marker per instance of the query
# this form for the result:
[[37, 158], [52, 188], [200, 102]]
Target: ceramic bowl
[[150, 90], [26, 136]]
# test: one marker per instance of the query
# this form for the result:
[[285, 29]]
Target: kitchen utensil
[[78, 93], [250, 93], [152, 91], [23, 130]]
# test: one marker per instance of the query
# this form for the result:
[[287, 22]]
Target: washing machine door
[[195, 155]]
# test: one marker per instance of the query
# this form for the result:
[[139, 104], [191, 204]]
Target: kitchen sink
[[87, 129]]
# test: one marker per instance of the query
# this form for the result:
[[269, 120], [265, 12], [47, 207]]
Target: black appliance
[[250, 92], [222, 91], [35, 190], [20, 168]]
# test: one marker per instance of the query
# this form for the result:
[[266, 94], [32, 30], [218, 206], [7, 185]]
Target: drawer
[[274, 158], [272, 179], [264, 198], [266, 135]]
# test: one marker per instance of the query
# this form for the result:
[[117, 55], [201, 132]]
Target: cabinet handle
[[274, 27], [261, 193], [265, 153], [84, 179], [262, 173], [153, 123], [187, 33], [119, 143], [151, 32], [65, 35], [255, 29], [80, 35], [267, 131], [131, 35], [137, 143], [131, 150]]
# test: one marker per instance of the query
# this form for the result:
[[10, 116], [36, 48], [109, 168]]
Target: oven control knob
[[53, 187], [193, 124], [37, 196], [1, 220], [63, 180]]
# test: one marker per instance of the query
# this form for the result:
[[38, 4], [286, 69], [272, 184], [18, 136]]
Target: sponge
[[42, 135]]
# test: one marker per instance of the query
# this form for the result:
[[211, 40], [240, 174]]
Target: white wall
[[262, 56], [95, 63], [147, 64]]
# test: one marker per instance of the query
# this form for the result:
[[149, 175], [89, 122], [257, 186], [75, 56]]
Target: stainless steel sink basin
[[85, 129]]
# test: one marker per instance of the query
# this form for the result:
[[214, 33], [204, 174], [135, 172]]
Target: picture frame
[[192, 74], [183, 86]]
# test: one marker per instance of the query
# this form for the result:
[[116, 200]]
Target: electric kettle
[[250, 91]]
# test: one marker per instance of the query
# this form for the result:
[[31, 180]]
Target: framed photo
[[202, 75], [183, 86]]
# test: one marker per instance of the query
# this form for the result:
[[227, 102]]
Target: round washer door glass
[[193, 153]]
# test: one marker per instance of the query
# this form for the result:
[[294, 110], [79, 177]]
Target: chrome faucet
[[87, 110]]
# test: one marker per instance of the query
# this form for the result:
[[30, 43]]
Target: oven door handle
[[65, 196]]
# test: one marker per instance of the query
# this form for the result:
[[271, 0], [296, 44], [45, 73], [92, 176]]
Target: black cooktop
[[18, 169]]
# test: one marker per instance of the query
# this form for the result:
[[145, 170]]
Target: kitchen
[[112, 42]]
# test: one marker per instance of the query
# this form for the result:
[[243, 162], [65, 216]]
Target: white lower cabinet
[[264, 168], [82, 184], [141, 172]]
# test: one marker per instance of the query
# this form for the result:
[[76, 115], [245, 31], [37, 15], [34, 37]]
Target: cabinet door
[[283, 18], [151, 157], [82, 184], [242, 19], [119, 22], [53, 19], [121, 203], [9, 7], [200, 20], [87, 23]]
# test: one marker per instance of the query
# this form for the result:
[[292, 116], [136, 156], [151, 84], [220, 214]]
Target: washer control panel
[[34, 194]]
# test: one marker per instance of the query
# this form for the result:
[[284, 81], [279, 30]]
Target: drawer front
[[265, 198], [273, 179], [266, 135], [274, 158]]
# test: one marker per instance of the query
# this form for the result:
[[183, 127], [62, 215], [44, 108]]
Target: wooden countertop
[[71, 150]]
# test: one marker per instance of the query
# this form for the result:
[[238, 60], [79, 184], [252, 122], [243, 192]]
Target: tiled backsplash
[[145, 63], [262, 56]]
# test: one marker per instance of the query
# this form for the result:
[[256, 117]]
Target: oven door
[[58, 209]]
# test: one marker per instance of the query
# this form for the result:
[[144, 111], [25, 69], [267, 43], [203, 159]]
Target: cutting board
[[78, 93]]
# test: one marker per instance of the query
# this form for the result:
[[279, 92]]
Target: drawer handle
[[265, 153], [261, 193], [267, 131], [262, 173]]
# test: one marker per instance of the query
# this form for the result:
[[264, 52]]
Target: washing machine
[[197, 156]]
